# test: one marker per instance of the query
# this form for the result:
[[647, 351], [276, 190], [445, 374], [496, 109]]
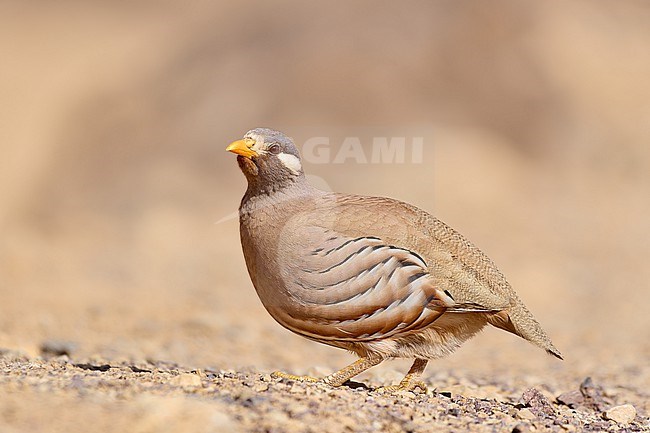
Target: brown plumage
[[372, 275]]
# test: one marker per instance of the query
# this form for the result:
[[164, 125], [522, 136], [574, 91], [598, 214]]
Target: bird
[[375, 276]]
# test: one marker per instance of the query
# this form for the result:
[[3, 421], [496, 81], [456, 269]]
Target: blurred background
[[114, 117]]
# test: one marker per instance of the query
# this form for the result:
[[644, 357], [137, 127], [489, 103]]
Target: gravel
[[156, 396]]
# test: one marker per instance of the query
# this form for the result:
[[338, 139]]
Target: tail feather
[[525, 326]]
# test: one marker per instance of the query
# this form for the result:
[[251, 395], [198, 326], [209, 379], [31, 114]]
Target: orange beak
[[242, 147]]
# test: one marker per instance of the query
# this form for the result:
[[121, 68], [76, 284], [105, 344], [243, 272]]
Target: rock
[[526, 414], [589, 396], [572, 399], [187, 380], [624, 414], [593, 395], [538, 403], [261, 387]]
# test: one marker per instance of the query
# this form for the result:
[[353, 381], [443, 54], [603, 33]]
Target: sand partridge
[[372, 275]]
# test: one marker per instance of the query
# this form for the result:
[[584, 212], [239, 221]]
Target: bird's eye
[[274, 149]]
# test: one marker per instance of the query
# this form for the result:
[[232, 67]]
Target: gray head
[[269, 160]]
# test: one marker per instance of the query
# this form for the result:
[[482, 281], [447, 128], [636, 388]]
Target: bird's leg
[[338, 378], [347, 373], [411, 380]]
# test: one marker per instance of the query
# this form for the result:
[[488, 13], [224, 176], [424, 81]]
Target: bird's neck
[[262, 197]]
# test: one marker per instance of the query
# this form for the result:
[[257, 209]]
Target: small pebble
[[297, 389], [526, 414], [187, 380], [624, 414], [261, 387]]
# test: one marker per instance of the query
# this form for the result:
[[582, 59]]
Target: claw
[[404, 386]]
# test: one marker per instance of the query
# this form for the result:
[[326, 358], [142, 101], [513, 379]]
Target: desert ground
[[125, 304]]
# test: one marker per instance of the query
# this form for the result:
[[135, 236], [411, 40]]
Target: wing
[[360, 289], [456, 264]]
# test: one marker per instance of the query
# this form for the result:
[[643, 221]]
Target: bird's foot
[[404, 386], [282, 375]]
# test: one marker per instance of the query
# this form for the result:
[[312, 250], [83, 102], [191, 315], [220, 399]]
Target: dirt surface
[[125, 304], [156, 396]]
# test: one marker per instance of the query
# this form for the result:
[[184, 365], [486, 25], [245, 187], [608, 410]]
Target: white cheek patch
[[291, 162]]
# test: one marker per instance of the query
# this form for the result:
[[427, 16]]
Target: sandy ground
[[144, 396], [124, 300]]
